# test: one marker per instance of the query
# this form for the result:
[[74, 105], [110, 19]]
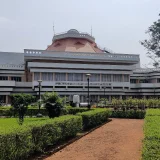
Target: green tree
[[53, 104], [20, 103], [153, 43]]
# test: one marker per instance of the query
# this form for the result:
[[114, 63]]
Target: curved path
[[120, 139]]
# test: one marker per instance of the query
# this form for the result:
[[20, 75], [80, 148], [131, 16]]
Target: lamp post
[[39, 104], [104, 94], [88, 75]]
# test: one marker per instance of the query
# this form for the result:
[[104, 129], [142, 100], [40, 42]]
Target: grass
[[151, 143], [8, 124]]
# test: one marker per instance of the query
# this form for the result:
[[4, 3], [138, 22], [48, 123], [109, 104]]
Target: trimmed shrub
[[6, 112], [133, 114], [77, 110], [34, 111], [94, 117], [151, 142], [24, 140]]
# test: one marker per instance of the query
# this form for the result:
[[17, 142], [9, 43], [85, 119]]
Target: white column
[[6, 99], [110, 100]]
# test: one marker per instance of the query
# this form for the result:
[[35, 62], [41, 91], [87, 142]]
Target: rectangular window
[[3, 78], [46, 76], [117, 78], [60, 76], [36, 76], [75, 77], [17, 79], [95, 78], [106, 78], [132, 80], [126, 78]]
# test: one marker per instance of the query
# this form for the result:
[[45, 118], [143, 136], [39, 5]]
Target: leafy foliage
[[53, 103], [151, 143], [134, 103], [94, 117], [153, 44], [133, 114], [20, 103], [18, 142]]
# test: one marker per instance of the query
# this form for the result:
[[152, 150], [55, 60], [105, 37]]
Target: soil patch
[[121, 139]]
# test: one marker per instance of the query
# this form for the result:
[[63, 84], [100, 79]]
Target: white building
[[63, 66]]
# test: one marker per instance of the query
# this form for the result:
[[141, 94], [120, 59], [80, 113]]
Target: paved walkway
[[120, 139]]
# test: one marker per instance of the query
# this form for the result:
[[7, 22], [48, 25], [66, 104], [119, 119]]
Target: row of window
[[143, 81], [81, 77], [4, 78]]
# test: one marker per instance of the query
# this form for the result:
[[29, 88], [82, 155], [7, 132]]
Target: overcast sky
[[118, 25]]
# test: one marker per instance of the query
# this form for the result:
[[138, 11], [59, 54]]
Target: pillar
[[120, 97], [110, 99], [98, 97], [66, 76], [6, 99]]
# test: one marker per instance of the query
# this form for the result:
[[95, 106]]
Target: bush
[[6, 112], [133, 114], [32, 111], [151, 142], [20, 103], [77, 110], [94, 117], [53, 104], [24, 140]]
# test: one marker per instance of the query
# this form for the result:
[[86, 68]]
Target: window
[[106, 78], [126, 78], [143, 81], [36, 76], [75, 77], [117, 78], [95, 78], [60, 76], [17, 79], [132, 80], [3, 78], [47, 76]]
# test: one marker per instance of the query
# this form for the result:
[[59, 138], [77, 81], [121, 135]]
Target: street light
[[39, 104], [104, 94], [88, 75]]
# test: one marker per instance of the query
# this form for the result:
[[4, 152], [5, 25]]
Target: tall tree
[[153, 43]]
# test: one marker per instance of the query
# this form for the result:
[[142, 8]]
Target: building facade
[[63, 66]]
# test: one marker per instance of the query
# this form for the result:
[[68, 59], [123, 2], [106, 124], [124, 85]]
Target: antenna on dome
[[91, 30], [53, 29]]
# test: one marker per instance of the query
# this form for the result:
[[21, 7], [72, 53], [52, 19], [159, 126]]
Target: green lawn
[[8, 124]]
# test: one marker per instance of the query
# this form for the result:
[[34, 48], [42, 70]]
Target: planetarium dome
[[73, 31], [74, 41]]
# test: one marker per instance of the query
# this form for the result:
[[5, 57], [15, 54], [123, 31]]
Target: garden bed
[[36, 134], [151, 143]]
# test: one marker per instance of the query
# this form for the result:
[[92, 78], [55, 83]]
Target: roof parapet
[[73, 33]]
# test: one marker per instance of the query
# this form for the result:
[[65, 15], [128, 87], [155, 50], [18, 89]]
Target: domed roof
[[74, 41], [73, 31]]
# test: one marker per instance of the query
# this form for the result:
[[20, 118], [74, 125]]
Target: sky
[[118, 25]]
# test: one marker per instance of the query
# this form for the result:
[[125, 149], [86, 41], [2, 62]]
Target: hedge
[[151, 142], [94, 117], [34, 111], [77, 110], [21, 142], [133, 114]]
